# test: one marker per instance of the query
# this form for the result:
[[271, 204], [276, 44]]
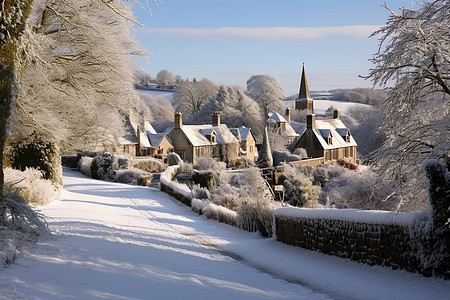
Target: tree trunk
[[13, 16]]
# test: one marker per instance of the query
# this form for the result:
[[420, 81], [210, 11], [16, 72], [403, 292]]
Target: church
[[327, 139]]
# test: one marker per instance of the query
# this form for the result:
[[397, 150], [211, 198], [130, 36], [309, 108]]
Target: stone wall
[[373, 244]]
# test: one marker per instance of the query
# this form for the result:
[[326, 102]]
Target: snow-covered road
[[116, 241]]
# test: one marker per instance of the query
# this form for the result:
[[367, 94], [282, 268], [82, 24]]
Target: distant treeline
[[358, 95]]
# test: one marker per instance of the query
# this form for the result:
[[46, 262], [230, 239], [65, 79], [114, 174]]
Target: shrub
[[129, 175], [301, 192], [31, 185], [34, 152], [151, 165], [85, 165], [102, 166], [359, 190], [204, 179], [284, 156], [173, 159], [70, 160], [17, 215]]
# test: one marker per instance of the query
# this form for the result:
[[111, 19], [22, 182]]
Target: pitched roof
[[242, 133], [197, 137], [155, 139], [149, 127], [298, 127], [276, 117], [326, 127]]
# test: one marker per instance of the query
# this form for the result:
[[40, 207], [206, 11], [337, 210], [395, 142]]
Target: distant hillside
[[358, 95]]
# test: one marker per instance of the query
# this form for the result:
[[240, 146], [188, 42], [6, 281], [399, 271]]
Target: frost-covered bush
[[70, 160], [173, 159], [359, 190], [255, 214], [102, 166], [85, 165], [129, 175], [247, 194], [34, 152], [150, 164], [31, 185], [284, 156], [301, 152], [299, 187], [324, 173], [217, 168], [17, 215]]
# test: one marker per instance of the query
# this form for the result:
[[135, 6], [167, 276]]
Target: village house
[[329, 139], [152, 143], [282, 125], [247, 142], [209, 140]]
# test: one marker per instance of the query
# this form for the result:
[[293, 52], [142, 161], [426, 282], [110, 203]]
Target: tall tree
[[414, 60], [78, 72], [266, 90], [191, 96], [265, 159], [13, 16], [165, 77]]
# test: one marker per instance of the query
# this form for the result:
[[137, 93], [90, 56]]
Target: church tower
[[304, 101]]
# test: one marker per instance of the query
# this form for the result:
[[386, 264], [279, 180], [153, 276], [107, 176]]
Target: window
[[335, 154], [327, 155], [330, 140], [346, 152], [251, 149], [181, 153], [351, 152]]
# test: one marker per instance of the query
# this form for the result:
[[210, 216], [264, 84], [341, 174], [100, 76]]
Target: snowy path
[[116, 241]]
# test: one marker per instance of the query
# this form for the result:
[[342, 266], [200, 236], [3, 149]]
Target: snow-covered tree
[[77, 73], [266, 90], [161, 110], [191, 96], [13, 16], [265, 159], [414, 60], [165, 77]]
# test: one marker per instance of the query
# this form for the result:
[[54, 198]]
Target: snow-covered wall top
[[166, 179], [350, 215]]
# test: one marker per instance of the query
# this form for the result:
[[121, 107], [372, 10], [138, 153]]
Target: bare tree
[[191, 96], [414, 57]]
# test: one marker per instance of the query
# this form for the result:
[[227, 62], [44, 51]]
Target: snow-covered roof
[[330, 127], [207, 131], [242, 133], [148, 127], [143, 139], [342, 131], [155, 139], [298, 127], [276, 117], [195, 134]]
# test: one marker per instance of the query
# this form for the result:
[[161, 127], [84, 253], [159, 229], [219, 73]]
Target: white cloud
[[297, 33]]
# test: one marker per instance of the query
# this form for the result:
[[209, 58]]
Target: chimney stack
[[216, 119], [311, 121], [336, 114], [288, 115], [178, 120]]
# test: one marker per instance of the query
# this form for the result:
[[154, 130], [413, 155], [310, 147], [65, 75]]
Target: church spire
[[304, 90]]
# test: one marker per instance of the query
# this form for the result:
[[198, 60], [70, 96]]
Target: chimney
[[266, 113], [336, 114], [311, 121], [288, 115], [216, 119], [178, 120]]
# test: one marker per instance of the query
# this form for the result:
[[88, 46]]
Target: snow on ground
[[321, 106], [155, 93], [117, 241]]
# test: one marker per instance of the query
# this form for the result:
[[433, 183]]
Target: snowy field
[[164, 94], [117, 241], [320, 106]]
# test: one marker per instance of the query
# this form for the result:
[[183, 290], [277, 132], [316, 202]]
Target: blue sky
[[227, 41]]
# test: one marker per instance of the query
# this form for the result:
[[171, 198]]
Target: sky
[[229, 41]]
